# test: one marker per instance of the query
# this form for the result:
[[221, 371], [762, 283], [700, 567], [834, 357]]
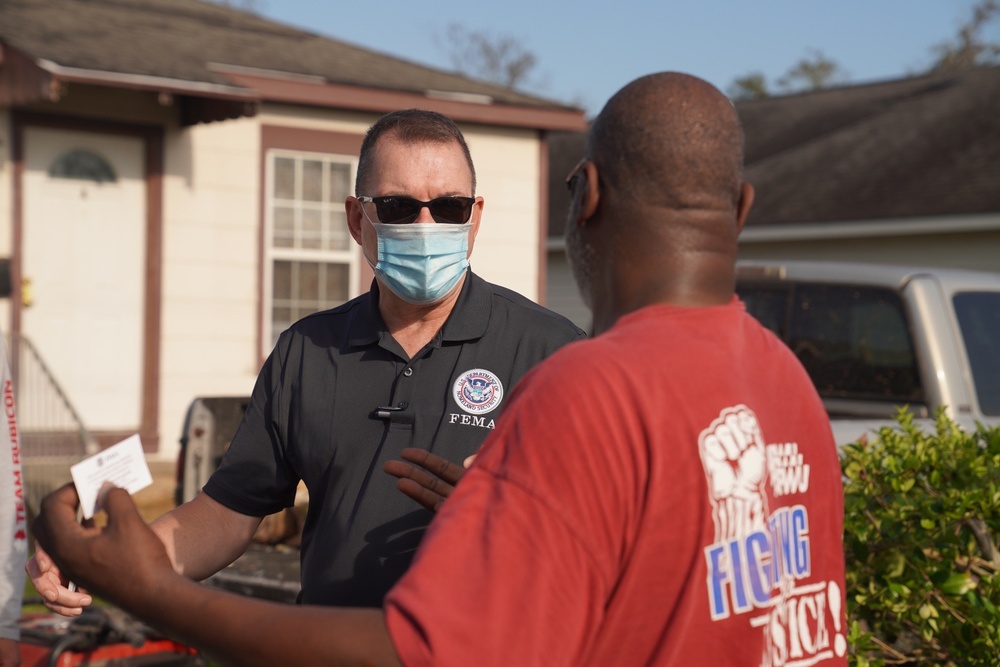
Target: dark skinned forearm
[[244, 631]]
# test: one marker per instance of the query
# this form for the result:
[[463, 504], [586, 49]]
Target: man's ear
[[476, 218], [590, 197], [743, 205], [354, 215]]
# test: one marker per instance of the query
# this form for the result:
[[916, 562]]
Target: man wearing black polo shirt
[[425, 359]]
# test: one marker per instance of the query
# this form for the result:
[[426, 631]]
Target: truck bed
[[265, 572]]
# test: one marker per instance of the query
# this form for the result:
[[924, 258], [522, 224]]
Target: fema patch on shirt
[[477, 391]]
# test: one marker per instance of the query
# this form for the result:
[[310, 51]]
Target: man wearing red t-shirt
[[667, 493]]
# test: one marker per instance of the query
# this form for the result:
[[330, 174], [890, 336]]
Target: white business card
[[123, 464]]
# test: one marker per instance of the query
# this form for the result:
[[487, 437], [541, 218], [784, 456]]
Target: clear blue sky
[[587, 49]]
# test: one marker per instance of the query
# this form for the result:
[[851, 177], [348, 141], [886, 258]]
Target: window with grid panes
[[312, 257]]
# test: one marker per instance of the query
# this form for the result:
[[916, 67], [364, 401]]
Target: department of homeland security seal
[[477, 391]]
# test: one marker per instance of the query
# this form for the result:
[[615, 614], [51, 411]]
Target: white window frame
[[351, 257]]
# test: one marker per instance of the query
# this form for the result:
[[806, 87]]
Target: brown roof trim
[[300, 90], [146, 82], [24, 80]]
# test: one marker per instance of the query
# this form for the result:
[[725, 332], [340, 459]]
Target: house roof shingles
[[180, 39], [918, 147], [923, 146]]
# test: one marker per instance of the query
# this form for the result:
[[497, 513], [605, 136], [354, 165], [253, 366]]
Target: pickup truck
[[871, 337], [269, 569], [875, 337]]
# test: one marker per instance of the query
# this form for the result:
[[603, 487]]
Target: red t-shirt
[[667, 493]]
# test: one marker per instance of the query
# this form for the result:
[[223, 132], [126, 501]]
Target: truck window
[[854, 341], [768, 304], [979, 318]]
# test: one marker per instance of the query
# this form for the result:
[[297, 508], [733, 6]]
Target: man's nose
[[424, 215]]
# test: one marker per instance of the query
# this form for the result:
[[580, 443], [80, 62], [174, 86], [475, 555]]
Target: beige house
[[172, 178]]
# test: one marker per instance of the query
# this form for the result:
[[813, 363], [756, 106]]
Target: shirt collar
[[367, 326], [471, 316], [469, 319]]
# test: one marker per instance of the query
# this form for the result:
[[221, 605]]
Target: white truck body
[[876, 337]]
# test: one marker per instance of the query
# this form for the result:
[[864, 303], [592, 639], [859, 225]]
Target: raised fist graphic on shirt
[[732, 452]]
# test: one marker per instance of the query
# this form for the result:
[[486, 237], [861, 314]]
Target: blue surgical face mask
[[420, 262]]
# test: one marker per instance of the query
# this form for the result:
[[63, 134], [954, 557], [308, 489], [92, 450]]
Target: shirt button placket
[[404, 390]]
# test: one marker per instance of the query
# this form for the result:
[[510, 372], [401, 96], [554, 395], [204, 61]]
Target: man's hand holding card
[[124, 558], [122, 465]]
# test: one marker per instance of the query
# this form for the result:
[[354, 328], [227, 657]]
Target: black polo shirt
[[338, 397]]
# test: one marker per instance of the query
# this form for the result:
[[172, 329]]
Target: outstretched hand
[[53, 586], [121, 561], [427, 478]]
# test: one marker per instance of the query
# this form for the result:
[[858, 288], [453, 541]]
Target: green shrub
[[921, 514]]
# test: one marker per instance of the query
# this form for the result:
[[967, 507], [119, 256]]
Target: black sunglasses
[[397, 210]]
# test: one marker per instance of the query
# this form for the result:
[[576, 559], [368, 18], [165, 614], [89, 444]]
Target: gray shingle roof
[[916, 147], [178, 39]]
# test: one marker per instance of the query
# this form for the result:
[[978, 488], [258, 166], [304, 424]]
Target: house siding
[[977, 250], [562, 294], [972, 250], [507, 170], [209, 331]]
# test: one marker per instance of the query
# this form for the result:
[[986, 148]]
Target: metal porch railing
[[51, 434]]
